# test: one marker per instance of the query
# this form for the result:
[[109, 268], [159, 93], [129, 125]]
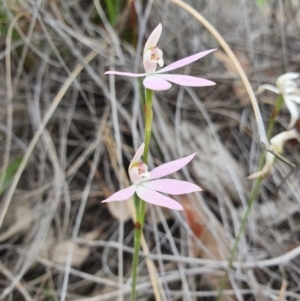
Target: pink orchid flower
[[157, 80], [147, 187]]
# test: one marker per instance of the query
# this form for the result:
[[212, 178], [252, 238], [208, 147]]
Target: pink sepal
[[122, 195], [185, 61], [170, 167], [126, 73], [155, 198], [186, 80], [156, 83], [153, 38], [171, 186]]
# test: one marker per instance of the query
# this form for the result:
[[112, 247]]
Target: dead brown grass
[[76, 131]]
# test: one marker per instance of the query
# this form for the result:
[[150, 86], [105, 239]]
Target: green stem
[[140, 205], [137, 244], [148, 122], [278, 105], [253, 197]]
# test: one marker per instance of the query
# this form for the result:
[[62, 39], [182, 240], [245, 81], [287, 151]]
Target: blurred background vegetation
[[68, 132]]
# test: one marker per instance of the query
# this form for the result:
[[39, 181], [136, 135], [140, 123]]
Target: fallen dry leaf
[[61, 250], [24, 217], [121, 213], [58, 251], [118, 213]]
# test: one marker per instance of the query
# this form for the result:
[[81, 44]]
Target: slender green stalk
[[253, 197], [140, 205], [278, 105], [137, 244], [113, 10], [148, 122]]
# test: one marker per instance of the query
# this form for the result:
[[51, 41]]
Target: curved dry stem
[[20, 287], [231, 55]]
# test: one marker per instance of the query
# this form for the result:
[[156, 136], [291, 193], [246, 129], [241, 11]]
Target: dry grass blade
[[39, 132], [20, 287], [71, 247], [79, 130]]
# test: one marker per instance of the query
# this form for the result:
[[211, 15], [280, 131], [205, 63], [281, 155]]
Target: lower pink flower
[[148, 185]]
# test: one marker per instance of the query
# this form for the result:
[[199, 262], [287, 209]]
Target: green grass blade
[[7, 177]]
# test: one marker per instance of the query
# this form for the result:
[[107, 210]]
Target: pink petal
[[170, 167], [126, 73], [122, 195], [155, 83], [185, 61], [155, 198], [171, 186], [186, 80], [153, 38]]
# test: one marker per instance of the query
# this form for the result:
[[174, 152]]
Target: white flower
[[277, 143], [287, 87]]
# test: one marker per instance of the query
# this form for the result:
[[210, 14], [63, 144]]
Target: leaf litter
[[48, 43]]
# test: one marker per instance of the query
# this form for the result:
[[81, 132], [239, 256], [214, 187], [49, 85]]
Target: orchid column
[[147, 185]]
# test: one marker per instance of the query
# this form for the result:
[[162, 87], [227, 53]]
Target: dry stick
[[20, 287], [282, 290], [208, 263], [283, 180], [231, 55], [40, 130], [170, 278]]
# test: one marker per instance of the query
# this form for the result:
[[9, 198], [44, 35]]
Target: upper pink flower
[[156, 80], [147, 187]]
